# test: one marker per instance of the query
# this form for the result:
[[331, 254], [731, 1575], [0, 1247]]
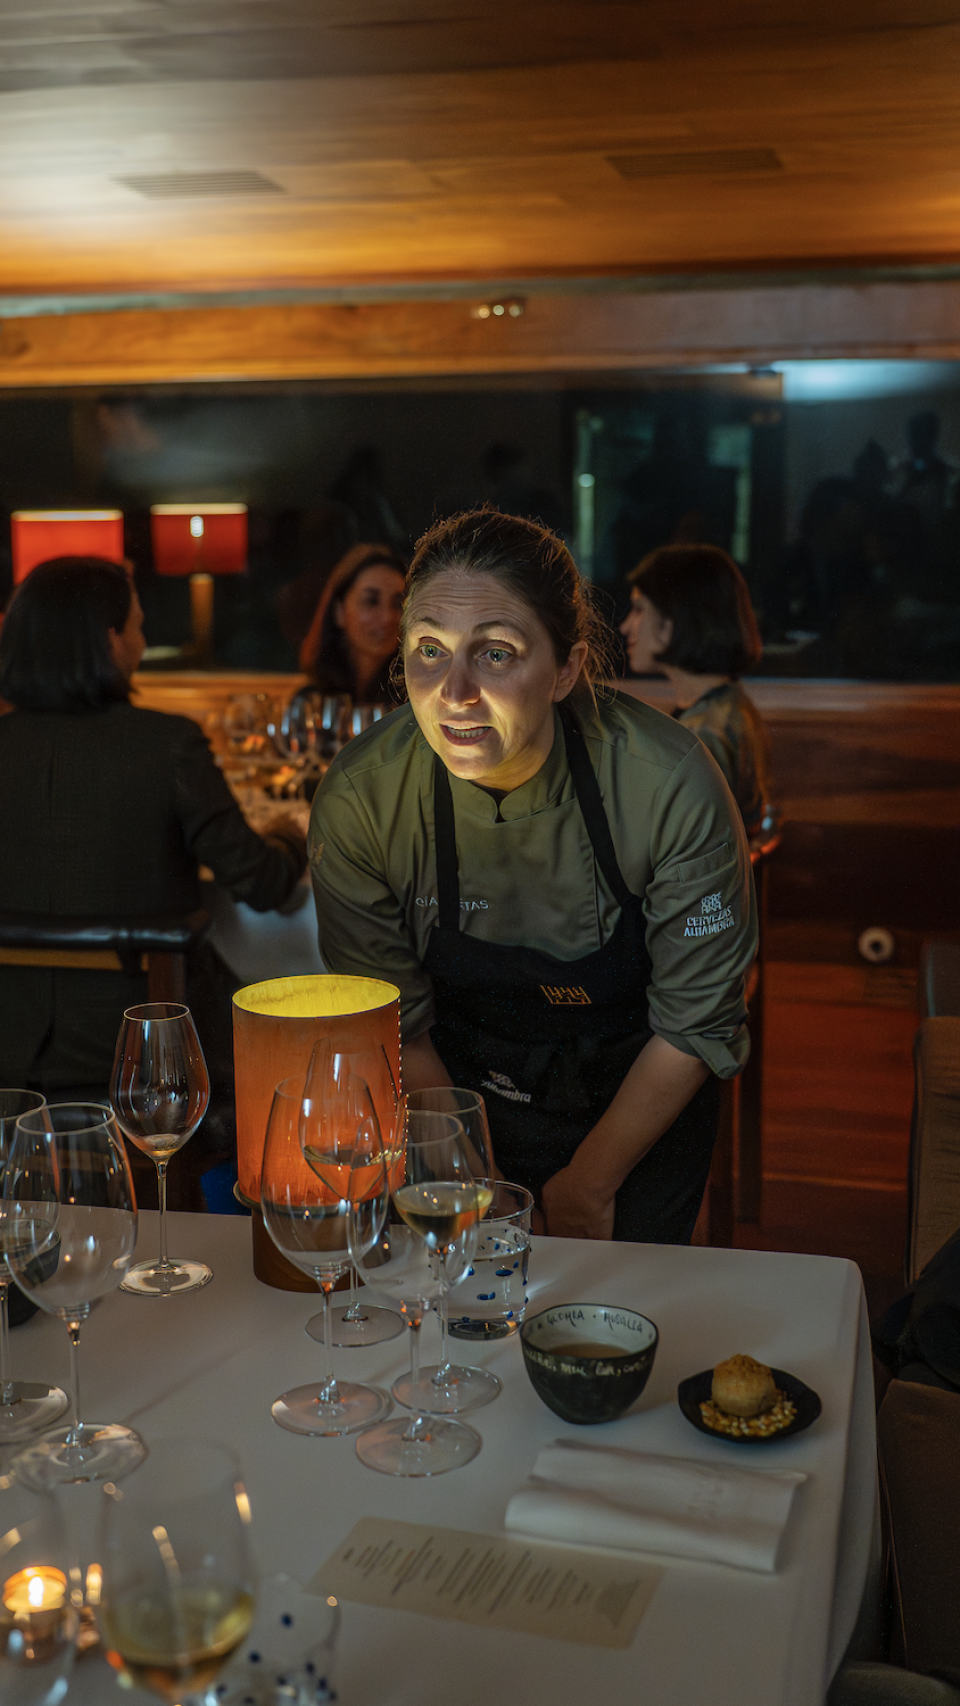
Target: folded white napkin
[[594, 1495]]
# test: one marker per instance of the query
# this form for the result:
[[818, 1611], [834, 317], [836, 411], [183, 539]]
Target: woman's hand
[[573, 1211]]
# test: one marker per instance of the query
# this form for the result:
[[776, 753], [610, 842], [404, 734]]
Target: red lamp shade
[[37, 534], [191, 539]]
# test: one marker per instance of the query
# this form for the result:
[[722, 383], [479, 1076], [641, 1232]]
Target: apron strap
[[445, 836], [591, 805]]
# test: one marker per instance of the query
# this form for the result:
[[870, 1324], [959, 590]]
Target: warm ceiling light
[[509, 306]]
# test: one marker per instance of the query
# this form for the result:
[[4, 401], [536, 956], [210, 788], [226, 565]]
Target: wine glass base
[[464, 1389], [149, 1279], [374, 1327], [301, 1410], [445, 1445], [31, 1409], [106, 1452]]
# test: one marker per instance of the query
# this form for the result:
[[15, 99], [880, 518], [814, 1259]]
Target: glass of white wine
[[160, 1090], [409, 1269], [177, 1590], [447, 1388], [306, 1204]]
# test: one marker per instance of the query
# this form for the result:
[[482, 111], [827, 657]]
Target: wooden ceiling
[[431, 142]]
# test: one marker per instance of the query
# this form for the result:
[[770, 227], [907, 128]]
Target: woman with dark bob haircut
[[110, 810], [351, 644], [555, 876], [691, 620]]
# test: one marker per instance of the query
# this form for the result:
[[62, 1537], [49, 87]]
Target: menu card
[[491, 1582]]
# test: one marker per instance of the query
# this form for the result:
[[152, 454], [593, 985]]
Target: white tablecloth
[[212, 1362]]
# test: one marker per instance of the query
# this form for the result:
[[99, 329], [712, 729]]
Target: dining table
[[208, 1365]]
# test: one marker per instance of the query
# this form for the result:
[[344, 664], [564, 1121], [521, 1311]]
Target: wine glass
[[26, 1407], [176, 1595], [73, 1229], [335, 709], [306, 1216], [323, 1127], [447, 1388], [39, 1614], [438, 1205], [406, 1266], [297, 733], [160, 1090]]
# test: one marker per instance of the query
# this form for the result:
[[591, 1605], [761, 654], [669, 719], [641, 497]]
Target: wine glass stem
[[74, 1436], [442, 1376], [6, 1384], [353, 1311], [417, 1426], [329, 1393], [162, 1191]]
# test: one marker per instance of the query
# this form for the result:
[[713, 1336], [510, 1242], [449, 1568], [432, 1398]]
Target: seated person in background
[[352, 641], [691, 620], [107, 813]]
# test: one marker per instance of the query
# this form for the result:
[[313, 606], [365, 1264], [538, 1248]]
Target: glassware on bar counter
[[160, 1091], [68, 1196], [445, 1388], [26, 1407], [177, 1590], [322, 1127], [306, 1215]]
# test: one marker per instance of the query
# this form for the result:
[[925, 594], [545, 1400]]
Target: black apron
[[548, 1042]]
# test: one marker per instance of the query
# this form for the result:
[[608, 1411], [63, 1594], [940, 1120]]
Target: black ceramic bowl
[[588, 1361]]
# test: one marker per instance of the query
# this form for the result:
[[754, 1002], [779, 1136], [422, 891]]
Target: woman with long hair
[[352, 641]]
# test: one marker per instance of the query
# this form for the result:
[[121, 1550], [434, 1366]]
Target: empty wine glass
[[447, 1388], [73, 1229], [160, 1090], [26, 1407], [38, 1611], [297, 733], [335, 710], [322, 1128], [306, 1216], [403, 1265], [176, 1595]]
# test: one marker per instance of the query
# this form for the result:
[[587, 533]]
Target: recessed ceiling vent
[[181, 186], [709, 162]]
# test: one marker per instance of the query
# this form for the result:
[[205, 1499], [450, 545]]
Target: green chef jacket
[[527, 871]]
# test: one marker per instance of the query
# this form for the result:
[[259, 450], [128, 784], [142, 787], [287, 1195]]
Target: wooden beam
[[554, 334]]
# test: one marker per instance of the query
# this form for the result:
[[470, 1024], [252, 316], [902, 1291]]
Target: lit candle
[[34, 1612]]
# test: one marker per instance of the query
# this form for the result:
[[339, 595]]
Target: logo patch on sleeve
[[712, 918]]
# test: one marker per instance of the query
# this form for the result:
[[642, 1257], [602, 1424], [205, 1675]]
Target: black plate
[[696, 1391]]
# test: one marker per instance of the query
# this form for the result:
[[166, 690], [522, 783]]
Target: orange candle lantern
[[37, 534], [275, 1026]]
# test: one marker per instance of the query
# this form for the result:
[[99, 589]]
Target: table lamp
[[275, 1026], [200, 541], [38, 534]]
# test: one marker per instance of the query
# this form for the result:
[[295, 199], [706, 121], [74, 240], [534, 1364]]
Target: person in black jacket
[[107, 812]]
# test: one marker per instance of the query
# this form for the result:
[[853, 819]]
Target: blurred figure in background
[[109, 811], [352, 640], [691, 620]]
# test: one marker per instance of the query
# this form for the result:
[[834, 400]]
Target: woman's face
[[646, 632], [369, 614], [127, 643], [483, 677]]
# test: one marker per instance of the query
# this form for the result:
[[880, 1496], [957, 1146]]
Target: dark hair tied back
[[534, 564], [55, 640]]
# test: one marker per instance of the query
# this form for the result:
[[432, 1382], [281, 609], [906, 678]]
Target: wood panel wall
[[554, 334]]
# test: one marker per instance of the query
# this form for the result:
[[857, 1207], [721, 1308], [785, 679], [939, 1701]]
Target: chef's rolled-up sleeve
[[701, 917], [363, 930]]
